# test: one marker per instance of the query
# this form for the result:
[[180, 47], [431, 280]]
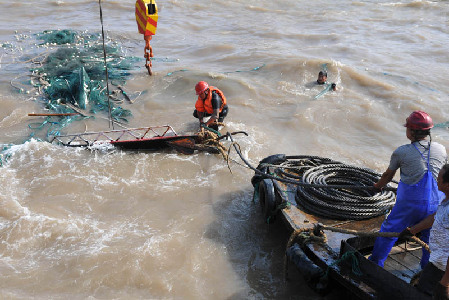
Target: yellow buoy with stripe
[[146, 16]]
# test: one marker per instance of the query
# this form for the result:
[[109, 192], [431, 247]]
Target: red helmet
[[201, 87], [419, 120]]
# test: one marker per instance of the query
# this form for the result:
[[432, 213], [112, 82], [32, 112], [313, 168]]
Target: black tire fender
[[274, 159], [258, 178], [313, 275], [267, 199]]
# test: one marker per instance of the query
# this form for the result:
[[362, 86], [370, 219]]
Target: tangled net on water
[[75, 72], [68, 75]]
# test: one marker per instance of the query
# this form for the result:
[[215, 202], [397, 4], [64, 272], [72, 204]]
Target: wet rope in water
[[209, 139]]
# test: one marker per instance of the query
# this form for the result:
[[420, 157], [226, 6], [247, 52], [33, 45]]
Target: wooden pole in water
[[51, 115]]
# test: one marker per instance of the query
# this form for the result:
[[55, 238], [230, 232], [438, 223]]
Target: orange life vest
[[206, 105]]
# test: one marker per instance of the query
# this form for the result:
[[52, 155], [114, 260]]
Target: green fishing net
[[4, 156], [73, 76], [58, 37]]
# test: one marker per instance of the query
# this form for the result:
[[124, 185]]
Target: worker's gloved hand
[[440, 292], [406, 234]]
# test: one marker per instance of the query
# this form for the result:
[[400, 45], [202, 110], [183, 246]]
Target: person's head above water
[[322, 77]]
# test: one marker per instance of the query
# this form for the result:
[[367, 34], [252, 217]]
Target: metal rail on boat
[[111, 136]]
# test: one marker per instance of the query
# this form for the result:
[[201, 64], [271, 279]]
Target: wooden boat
[[340, 257]]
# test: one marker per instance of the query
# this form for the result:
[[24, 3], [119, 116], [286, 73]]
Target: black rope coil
[[353, 197], [343, 203]]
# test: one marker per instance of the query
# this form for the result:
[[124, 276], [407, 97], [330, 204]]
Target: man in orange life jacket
[[211, 102]]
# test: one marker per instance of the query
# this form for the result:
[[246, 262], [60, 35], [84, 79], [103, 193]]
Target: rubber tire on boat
[[275, 159], [313, 275], [267, 200]]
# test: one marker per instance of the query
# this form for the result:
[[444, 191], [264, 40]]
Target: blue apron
[[413, 203]]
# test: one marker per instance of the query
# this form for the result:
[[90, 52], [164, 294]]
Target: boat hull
[[156, 143], [335, 255]]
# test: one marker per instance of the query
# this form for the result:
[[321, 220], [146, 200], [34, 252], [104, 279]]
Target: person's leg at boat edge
[[401, 217]]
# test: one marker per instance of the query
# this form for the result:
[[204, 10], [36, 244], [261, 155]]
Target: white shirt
[[439, 237]]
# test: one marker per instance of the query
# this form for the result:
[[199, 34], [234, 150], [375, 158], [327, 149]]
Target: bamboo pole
[[51, 115]]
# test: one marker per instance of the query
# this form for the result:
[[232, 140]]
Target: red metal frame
[[116, 136]]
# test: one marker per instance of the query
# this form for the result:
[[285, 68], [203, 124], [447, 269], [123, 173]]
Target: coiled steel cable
[[344, 203], [351, 196]]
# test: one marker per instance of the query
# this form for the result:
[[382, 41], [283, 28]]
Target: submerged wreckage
[[148, 139]]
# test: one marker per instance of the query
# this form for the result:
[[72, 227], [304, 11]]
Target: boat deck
[[295, 218], [403, 260]]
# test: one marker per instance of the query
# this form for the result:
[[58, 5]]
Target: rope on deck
[[320, 227], [303, 184]]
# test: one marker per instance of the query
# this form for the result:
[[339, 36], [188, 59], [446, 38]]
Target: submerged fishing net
[[58, 37], [4, 156], [76, 73], [72, 78]]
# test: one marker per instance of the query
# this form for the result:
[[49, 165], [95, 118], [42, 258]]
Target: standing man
[[211, 102], [417, 194]]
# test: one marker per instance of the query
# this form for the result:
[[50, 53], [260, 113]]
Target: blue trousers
[[413, 204], [401, 217]]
